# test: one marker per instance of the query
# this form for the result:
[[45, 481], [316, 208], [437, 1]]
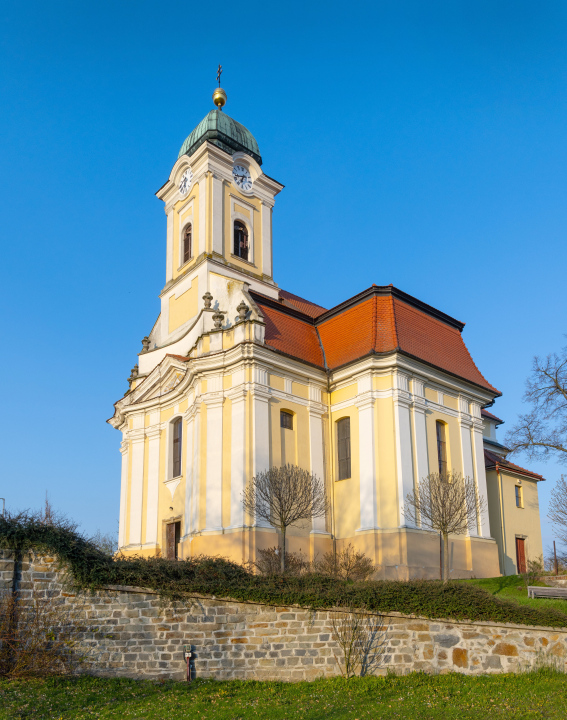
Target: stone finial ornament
[[208, 298], [242, 310], [218, 317], [133, 373], [145, 344]]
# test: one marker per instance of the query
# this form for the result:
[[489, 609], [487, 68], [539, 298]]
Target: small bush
[[268, 562], [37, 638], [348, 564]]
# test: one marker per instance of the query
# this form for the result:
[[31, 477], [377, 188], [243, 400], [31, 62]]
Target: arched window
[[441, 447], [177, 438], [343, 436], [187, 244], [240, 240]]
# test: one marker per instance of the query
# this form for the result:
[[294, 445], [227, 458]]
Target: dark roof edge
[[276, 305], [356, 300], [394, 292]]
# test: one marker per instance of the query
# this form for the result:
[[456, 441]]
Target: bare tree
[[362, 638], [347, 564], [447, 503], [542, 432], [283, 496], [558, 508]]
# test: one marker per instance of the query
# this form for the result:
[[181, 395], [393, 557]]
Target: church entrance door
[[172, 536], [521, 555]]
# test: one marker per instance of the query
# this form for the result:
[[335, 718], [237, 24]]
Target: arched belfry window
[[241, 243], [187, 243], [177, 444], [343, 442]]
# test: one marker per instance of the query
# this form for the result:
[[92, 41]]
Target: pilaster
[[404, 464], [260, 426], [421, 460], [237, 455], [316, 456], [216, 214], [213, 491], [123, 493], [266, 224], [367, 455], [152, 499], [137, 440], [479, 468]]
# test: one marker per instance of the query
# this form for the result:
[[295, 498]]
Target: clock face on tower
[[186, 180], [241, 177]]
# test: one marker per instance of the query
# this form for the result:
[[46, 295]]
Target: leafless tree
[[283, 496], [542, 432], [558, 508], [447, 503], [362, 639]]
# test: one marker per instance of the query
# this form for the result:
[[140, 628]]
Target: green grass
[[512, 587], [539, 694]]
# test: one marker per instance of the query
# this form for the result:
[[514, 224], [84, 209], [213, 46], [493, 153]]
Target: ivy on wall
[[91, 569]]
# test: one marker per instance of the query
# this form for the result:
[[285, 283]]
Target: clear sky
[[421, 144]]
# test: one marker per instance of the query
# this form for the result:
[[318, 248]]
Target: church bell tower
[[218, 204]]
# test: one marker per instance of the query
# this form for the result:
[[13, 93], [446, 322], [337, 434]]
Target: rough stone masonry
[[129, 632]]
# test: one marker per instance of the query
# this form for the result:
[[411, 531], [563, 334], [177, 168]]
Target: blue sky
[[421, 144]]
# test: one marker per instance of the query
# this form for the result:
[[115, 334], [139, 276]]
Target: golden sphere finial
[[219, 97]]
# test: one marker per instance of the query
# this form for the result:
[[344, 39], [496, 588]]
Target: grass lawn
[[512, 587], [538, 694]]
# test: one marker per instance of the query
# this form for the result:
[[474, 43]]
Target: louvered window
[[343, 434], [240, 240], [187, 244], [441, 448], [177, 437]]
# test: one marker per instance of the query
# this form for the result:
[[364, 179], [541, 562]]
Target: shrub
[[268, 562], [348, 564], [89, 568], [38, 637]]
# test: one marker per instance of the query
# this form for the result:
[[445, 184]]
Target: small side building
[[512, 503]]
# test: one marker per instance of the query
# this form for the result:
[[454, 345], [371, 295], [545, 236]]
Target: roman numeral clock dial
[[241, 177]]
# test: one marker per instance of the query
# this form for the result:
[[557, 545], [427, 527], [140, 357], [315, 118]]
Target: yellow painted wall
[[382, 382], [451, 402], [185, 306], [431, 394], [453, 438], [388, 515], [179, 222], [300, 390], [276, 382], [345, 393], [347, 492], [229, 193]]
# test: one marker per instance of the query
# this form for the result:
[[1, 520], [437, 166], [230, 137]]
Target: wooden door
[[170, 545], [521, 555]]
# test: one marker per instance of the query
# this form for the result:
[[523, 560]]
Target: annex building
[[238, 375]]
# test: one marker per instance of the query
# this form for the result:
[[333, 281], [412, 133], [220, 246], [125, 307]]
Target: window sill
[[185, 264], [236, 257]]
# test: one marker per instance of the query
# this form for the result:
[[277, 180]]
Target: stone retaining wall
[[128, 632]]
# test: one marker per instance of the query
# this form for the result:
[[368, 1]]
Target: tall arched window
[[441, 447], [177, 438], [187, 244], [240, 240], [343, 436]]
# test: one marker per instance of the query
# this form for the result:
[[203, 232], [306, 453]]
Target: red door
[[521, 555]]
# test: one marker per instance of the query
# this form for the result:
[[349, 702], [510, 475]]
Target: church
[[238, 375]]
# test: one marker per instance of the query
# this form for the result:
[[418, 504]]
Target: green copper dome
[[224, 132]]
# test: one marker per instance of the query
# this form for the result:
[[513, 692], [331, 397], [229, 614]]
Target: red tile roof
[[492, 460], [304, 306], [378, 320], [490, 416], [292, 336]]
